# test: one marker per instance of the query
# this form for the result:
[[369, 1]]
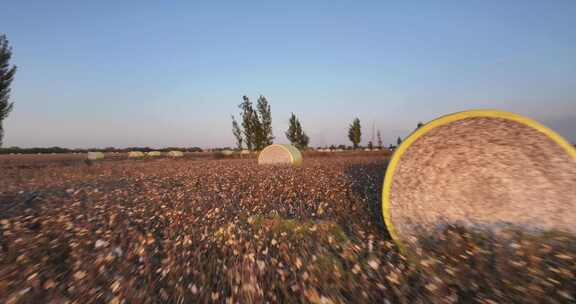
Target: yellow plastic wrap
[[270, 155]]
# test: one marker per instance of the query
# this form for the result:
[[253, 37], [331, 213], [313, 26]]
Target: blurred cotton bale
[[280, 155], [245, 152], [154, 153], [227, 152], [95, 155], [481, 169], [176, 153], [135, 154]]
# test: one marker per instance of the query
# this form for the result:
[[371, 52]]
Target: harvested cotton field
[[199, 230]]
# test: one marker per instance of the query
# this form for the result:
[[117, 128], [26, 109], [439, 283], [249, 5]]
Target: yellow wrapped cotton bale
[[135, 154], [227, 152], [95, 155], [176, 154], [280, 155], [482, 169], [154, 153]]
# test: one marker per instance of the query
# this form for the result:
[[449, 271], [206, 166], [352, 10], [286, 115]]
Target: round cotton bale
[[176, 153], [135, 154], [280, 155], [227, 152], [154, 153], [95, 155], [483, 169]]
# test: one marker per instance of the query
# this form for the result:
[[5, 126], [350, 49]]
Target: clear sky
[[170, 73]]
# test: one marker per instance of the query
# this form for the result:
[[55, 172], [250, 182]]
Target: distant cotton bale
[[280, 155], [245, 152], [227, 152], [154, 153], [135, 154], [95, 155], [176, 154]]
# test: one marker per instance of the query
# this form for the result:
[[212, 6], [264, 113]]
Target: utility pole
[[373, 128]]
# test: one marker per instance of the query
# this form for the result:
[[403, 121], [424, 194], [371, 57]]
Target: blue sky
[[170, 73]]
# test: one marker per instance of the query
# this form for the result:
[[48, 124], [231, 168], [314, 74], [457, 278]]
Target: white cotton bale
[[245, 152], [154, 153], [135, 154], [484, 169], [280, 155], [227, 152], [176, 153], [95, 155]]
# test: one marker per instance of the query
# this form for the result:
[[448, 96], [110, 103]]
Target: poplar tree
[[6, 76], [295, 134], [248, 122], [355, 133], [237, 132], [256, 123], [265, 121]]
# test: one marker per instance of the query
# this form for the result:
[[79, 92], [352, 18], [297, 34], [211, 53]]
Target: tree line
[[254, 131], [50, 150]]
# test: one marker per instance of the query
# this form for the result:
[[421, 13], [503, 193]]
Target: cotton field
[[179, 230]]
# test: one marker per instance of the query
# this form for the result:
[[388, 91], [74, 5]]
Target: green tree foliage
[[6, 76], [296, 135], [355, 133], [249, 117], [237, 131], [379, 139], [256, 123], [265, 121]]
